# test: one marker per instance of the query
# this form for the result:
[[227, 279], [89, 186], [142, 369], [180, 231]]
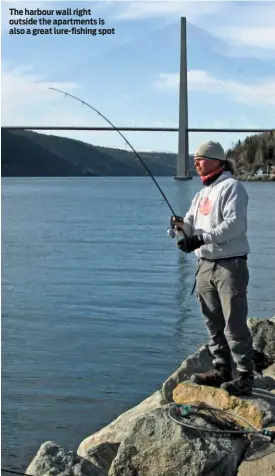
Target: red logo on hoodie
[[205, 206]]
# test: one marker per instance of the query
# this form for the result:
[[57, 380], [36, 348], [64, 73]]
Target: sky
[[132, 76]]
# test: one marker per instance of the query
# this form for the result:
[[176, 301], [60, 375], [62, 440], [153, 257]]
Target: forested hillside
[[27, 153], [256, 151]]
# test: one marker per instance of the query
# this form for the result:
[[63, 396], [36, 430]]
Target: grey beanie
[[210, 150]]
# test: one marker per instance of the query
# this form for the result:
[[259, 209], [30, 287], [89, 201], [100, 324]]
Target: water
[[96, 304]]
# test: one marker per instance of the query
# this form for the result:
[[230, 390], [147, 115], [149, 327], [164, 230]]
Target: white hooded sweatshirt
[[219, 213]]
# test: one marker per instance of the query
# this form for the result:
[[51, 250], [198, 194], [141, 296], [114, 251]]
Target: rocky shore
[[144, 441]]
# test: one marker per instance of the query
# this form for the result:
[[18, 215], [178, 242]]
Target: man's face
[[206, 166]]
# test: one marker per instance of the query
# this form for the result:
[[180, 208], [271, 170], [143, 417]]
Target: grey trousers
[[222, 293]]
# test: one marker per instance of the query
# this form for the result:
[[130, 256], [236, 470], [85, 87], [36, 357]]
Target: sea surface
[[96, 301]]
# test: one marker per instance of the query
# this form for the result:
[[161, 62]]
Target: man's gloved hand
[[176, 222], [190, 243]]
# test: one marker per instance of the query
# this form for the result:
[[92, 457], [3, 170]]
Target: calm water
[[96, 304]]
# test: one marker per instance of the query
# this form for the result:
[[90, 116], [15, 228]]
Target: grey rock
[[200, 361], [265, 381], [261, 361], [157, 446], [263, 335], [270, 372], [52, 460], [265, 401], [102, 455], [118, 429]]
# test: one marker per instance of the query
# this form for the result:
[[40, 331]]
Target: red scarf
[[205, 178]]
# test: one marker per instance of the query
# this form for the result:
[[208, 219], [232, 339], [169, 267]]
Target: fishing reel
[[173, 231]]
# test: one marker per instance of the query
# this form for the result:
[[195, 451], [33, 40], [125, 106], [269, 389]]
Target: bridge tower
[[183, 149]]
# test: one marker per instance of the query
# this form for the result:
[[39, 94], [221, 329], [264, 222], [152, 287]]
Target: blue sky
[[133, 76]]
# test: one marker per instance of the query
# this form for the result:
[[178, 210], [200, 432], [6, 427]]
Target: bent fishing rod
[[171, 232]]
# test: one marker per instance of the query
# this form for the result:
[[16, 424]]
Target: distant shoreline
[[242, 178], [256, 178], [91, 176]]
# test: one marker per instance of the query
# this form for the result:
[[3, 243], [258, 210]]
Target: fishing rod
[[171, 231]]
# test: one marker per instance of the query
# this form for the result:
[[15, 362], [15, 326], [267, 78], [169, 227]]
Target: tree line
[[255, 152]]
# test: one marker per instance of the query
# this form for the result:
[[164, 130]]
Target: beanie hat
[[210, 150]]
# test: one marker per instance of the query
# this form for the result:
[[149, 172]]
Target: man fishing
[[215, 229]]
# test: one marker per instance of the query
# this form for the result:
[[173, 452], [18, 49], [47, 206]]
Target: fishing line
[[124, 138]]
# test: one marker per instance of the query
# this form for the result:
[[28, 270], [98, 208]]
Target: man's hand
[[192, 243], [176, 222]]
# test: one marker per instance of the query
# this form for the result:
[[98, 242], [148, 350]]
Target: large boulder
[[259, 409], [201, 361], [117, 430], [53, 460], [263, 335], [157, 446]]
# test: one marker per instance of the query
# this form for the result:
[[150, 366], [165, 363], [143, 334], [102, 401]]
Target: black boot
[[241, 385], [213, 378]]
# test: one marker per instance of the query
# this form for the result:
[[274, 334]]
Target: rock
[[263, 334], [145, 441], [270, 371], [261, 361], [117, 431], [264, 465], [267, 379], [258, 448], [264, 382], [259, 409], [53, 460], [102, 455], [200, 361], [157, 446]]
